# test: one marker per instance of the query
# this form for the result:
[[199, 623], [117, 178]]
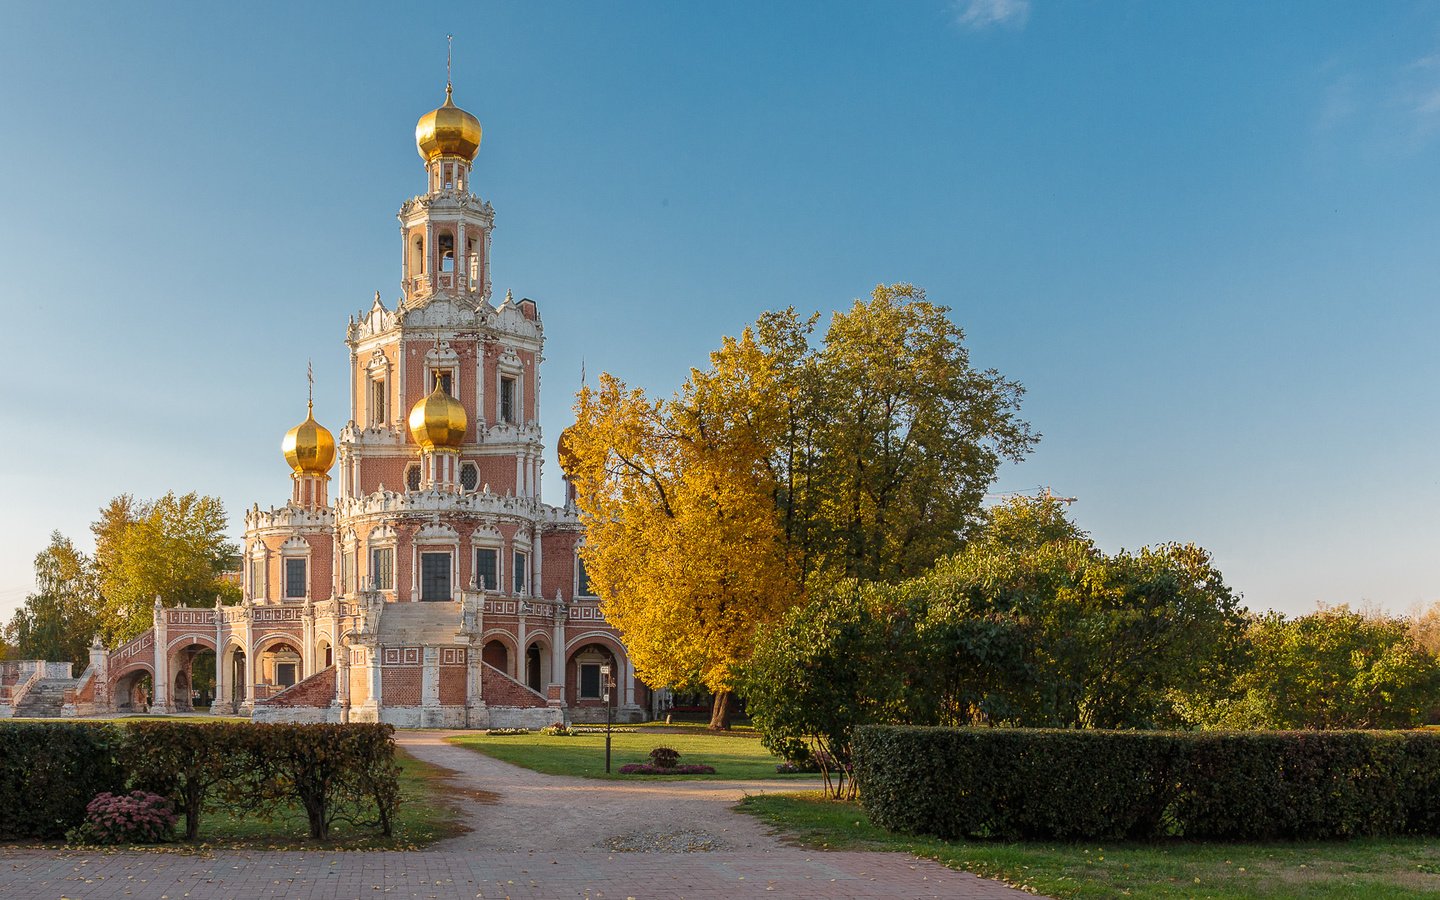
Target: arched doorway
[[324, 654], [192, 682], [495, 653], [133, 692], [536, 662]]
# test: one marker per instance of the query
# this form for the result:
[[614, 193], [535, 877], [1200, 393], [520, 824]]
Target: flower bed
[[648, 769]]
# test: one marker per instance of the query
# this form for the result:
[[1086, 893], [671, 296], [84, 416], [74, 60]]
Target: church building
[[415, 576]]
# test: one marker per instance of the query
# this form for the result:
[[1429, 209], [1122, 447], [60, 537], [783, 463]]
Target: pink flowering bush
[[138, 817]]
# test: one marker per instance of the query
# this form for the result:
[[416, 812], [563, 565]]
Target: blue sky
[[1202, 235]]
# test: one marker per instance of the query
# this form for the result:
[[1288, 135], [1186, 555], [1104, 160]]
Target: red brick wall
[[317, 691], [452, 685], [400, 685]]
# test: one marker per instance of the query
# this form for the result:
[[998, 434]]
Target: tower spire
[[310, 377], [449, 51]]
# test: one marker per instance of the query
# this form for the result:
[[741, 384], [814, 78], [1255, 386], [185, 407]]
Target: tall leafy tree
[[173, 548], [781, 464], [58, 621], [683, 539]]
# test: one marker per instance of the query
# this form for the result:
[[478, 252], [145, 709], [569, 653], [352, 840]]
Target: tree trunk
[[722, 710]]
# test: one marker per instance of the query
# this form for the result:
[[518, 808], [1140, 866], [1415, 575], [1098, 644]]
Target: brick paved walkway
[[545, 837]]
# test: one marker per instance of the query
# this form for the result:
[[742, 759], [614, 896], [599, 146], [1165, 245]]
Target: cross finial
[[449, 51], [310, 377]]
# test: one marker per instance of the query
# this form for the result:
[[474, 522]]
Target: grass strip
[[1370, 867]]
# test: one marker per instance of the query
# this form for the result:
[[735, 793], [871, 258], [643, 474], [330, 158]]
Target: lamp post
[[606, 683]]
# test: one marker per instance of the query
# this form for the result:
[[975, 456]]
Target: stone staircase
[[434, 624], [45, 699]]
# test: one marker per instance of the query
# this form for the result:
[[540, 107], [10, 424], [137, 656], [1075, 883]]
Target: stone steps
[[434, 624], [45, 700]]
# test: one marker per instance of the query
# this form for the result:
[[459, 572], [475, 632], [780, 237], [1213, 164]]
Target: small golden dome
[[438, 421], [564, 453], [447, 131], [309, 447]]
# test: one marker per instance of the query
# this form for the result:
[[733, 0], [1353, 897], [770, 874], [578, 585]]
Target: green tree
[[1334, 668], [906, 436], [781, 465], [173, 548], [58, 621], [1034, 625], [837, 662]]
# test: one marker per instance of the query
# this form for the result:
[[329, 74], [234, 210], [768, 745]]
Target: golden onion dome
[[447, 131], [438, 421], [565, 453], [309, 447]]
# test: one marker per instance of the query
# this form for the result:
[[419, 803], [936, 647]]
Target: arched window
[[447, 252]]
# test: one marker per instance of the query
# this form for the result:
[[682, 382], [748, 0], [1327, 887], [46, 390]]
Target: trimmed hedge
[[50, 772], [1091, 785]]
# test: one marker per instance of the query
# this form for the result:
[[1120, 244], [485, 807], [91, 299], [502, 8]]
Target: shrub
[[335, 772], [647, 769], [664, 757], [1078, 785], [557, 730], [138, 817], [504, 732], [49, 772], [184, 761]]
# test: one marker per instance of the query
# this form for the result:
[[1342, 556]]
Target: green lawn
[[734, 757], [1408, 867]]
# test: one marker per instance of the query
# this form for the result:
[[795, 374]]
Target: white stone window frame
[[434, 538], [521, 543], [258, 553], [349, 550], [381, 537], [474, 467], [377, 371], [509, 365], [295, 548], [592, 657], [442, 358], [488, 537], [575, 584]]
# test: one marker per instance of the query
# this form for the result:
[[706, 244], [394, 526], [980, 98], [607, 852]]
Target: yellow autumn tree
[[684, 542]]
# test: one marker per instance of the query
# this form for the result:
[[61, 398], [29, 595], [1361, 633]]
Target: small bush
[[1104, 785], [557, 730], [647, 769], [503, 732], [664, 757], [138, 817]]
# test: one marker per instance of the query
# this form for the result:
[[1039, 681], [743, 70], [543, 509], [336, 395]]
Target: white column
[[430, 676], [629, 689], [535, 590], [161, 675]]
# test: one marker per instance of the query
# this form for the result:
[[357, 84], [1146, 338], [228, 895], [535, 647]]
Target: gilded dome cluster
[[438, 421], [447, 131], [309, 447]]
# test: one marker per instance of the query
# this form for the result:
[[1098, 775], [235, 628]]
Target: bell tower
[[446, 231]]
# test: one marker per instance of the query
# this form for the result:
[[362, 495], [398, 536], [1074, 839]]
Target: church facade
[[415, 576]]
